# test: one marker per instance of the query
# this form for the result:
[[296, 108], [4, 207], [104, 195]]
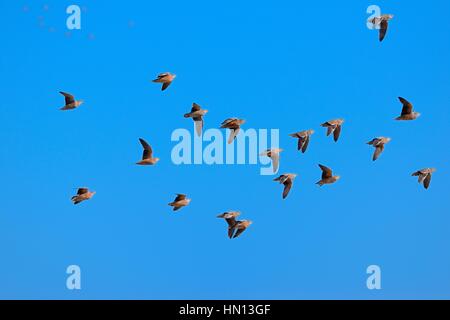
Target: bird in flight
[[408, 112], [83, 194], [147, 156], [197, 114], [303, 139], [166, 79], [235, 227], [180, 202], [274, 155], [234, 124], [335, 127], [327, 176], [424, 176], [71, 103], [378, 144], [382, 22], [287, 180]]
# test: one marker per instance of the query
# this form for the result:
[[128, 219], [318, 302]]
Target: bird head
[[337, 177], [80, 102], [416, 114], [388, 140], [241, 121], [310, 132], [156, 159]]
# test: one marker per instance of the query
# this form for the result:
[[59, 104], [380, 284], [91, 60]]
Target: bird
[[234, 124], [382, 22], [197, 114], [235, 227], [83, 194], [327, 176], [147, 156], [71, 103], [335, 127], [274, 155], [408, 112], [424, 176], [378, 144], [166, 79], [303, 139], [180, 202], [287, 179]]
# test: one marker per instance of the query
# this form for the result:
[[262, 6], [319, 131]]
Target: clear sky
[[286, 65]]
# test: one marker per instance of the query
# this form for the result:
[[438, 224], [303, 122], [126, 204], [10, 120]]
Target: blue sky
[[285, 65]]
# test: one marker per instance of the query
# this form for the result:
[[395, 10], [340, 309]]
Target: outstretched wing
[[148, 152], [426, 182], [287, 187], [195, 107], [326, 172], [337, 132], [378, 150], [383, 29], [82, 191], [407, 106], [180, 197], [69, 98]]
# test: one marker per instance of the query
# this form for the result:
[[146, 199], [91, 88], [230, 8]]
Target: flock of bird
[[237, 227]]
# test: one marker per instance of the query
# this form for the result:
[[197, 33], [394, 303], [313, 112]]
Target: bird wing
[[198, 125], [305, 144], [407, 106], [326, 172], [148, 152], [383, 29], [195, 107], [231, 222], [69, 98], [276, 161], [180, 197], [426, 182], [287, 187], [378, 150], [233, 135], [238, 232], [165, 85], [337, 132], [82, 191]]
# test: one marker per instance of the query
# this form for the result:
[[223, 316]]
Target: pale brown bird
[[378, 144], [234, 124], [147, 156], [382, 22], [166, 79], [303, 139], [327, 176], [424, 176], [71, 103], [408, 112], [197, 114], [180, 202], [83, 194], [230, 218], [335, 127], [274, 155], [287, 180]]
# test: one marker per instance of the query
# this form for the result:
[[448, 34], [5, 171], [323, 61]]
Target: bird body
[[287, 180], [335, 127], [382, 22], [83, 194], [235, 227], [303, 139], [424, 176], [147, 156], [180, 201], [408, 112], [327, 176], [378, 144], [166, 79], [197, 114], [71, 103], [274, 155], [234, 124]]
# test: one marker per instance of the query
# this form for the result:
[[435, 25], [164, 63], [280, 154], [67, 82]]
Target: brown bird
[[378, 144], [274, 155], [234, 124], [71, 103], [407, 111], [197, 114], [180, 202], [166, 79], [286, 179], [303, 139], [147, 156], [424, 176], [83, 194], [327, 176], [235, 227], [335, 127], [382, 22]]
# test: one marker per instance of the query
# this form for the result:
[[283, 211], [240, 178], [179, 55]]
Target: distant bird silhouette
[[274, 155], [235, 227], [327, 176], [378, 144], [147, 156], [180, 202], [83, 194], [287, 180], [407, 111], [335, 127], [71, 103], [166, 79], [424, 176], [197, 114], [382, 22], [303, 139], [234, 124]]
